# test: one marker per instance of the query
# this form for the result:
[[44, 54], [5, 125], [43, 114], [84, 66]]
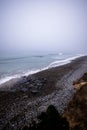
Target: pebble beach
[[23, 99]]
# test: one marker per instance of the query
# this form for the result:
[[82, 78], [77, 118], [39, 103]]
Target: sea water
[[15, 67]]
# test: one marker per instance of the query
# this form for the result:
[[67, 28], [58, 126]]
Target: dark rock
[[23, 80], [34, 91]]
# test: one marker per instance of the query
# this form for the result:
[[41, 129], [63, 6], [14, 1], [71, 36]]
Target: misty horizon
[[42, 26]]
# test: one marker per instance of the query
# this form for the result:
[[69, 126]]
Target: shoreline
[[51, 65], [50, 87]]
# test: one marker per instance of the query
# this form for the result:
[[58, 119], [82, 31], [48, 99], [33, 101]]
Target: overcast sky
[[43, 25]]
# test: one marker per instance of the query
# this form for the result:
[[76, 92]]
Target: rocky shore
[[22, 100]]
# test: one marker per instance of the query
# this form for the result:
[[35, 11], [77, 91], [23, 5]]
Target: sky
[[43, 26]]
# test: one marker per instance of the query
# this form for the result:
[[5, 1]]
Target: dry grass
[[76, 112]]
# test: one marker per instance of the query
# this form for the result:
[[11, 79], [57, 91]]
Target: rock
[[34, 91], [23, 80]]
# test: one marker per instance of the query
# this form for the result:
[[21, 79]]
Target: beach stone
[[27, 109], [29, 84], [34, 91]]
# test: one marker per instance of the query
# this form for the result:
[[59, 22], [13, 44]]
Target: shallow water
[[13, 67]]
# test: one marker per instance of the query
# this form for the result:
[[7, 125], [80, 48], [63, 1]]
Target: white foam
[[7, 78], [63, 62], [32, 72], [53, 64]]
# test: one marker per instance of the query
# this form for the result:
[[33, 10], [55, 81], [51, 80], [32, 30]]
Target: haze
[[43, 26]]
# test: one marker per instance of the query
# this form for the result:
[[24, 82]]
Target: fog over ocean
[[15, 67], [36, 34]]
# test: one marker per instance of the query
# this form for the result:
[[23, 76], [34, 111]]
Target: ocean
[[15, 67]]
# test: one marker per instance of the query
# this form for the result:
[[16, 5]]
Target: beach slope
[[22, 100]]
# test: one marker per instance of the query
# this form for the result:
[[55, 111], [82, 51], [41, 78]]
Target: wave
[[13, 58], [7, 78], [19, 58], [30, 72], [63, 62]]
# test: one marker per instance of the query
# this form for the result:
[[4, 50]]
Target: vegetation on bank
[[76, 112]]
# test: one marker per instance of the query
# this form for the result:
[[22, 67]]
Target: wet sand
[[21, 100]]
